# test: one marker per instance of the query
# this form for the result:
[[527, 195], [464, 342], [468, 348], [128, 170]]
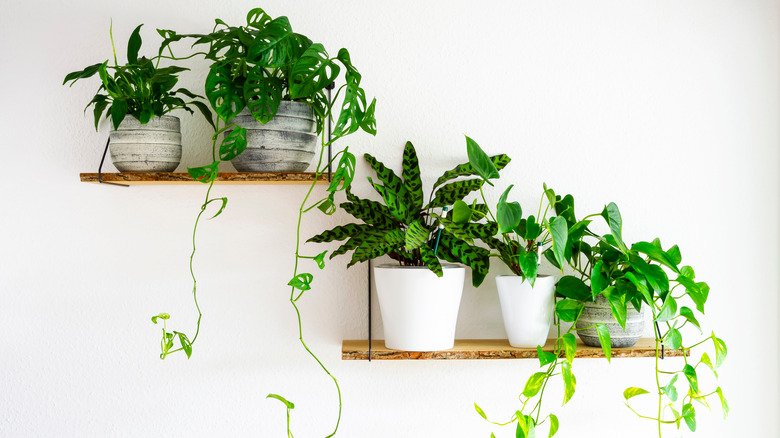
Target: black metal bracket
[[100, 168], [658, 329], [330, 88], [369, 310]]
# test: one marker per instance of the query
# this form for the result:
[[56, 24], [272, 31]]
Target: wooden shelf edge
[[234, 178], [490, 349]]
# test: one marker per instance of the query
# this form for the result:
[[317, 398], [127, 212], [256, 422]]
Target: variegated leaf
[[411, 176], [368, 250], [457, 251], [416, 235], [370, 212], [395, 201], [448, 194], [431, 261], [340, 232]]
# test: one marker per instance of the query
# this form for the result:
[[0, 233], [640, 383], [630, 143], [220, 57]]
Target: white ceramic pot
[[419, 309], [152, 147], [527, 310], [287, 143]]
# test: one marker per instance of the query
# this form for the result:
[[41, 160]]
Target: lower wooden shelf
[[491, 349], [170, 178]]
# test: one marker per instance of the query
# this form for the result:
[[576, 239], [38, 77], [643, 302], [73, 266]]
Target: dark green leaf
[[457, 251], [480, 161], [233, 144], [353, 108], [395, 201], [431, 261], [529, 264], [274, 44], [225, 97], [204, 110], [568, 310], [368, 123], [633, 392], [570, 346], [548, 254], [560, 234], [690, 375], [668, 310], [605, 340], [301, 282], [133, 46], [344, 174], [204, 174], [466, 169], [598, 280], [371, 212], [341, 232], [290, 405], [532, 229], [508, 214], [118, 112], [262, 94], [534, 384], [447, 195], [411, 177], [312, 72], [574, 288], [83, 74], [611, 214], [352, 75]]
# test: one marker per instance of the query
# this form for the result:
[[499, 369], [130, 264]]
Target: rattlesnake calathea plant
[[404, 227]]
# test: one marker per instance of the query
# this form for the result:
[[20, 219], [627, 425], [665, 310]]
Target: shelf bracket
[[369, 310], [329, 88], [658, 330], [100, 168]]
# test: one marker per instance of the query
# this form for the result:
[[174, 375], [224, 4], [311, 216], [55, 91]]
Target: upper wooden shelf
[[491, 349], [169, 178]]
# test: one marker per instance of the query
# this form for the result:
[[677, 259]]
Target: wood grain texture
[[236, 178], [490, 349]]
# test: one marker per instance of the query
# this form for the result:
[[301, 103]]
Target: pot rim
[[517, 276], [444, 266]]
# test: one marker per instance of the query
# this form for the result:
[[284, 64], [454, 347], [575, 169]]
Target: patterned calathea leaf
[[358, 238], [458, 251], [481, 231], [430, 260], [370, 212], [341, 232], [448, 194], [371, 248], [456, 229], [394, 189], [465, 169], [395, 201], [411, 176], [416, 235]]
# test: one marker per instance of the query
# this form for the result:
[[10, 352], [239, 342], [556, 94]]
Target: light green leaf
[[160, 316], [534, 384], [668, 310], [461, 212], [559, 231], [320, 259], [480, 161], [688, 314], [633, 392], [570, 345], [611, 214], [568, 310], [301, 282], [569, 381], [545, 357], [705, 359], [670, 390], [720, 351], [617, 302], [553, 425], [689, 415], [186, 345], [690, 375], [480, 411], [723, 403], [289, 404], [673, 339], [604, 338], [233, 144], [508, 214], [416, 236]]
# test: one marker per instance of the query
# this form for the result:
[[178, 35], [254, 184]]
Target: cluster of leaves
[[408, 229], [138, 88], [258, 65]]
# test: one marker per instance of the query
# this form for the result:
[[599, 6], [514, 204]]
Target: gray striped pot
[[601, 312], [287, 143], [152, 147]]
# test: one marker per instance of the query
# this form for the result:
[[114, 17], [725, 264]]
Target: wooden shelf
[[491, 349], [168, 178]]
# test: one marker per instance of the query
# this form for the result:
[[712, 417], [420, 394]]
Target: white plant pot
[[527, 310], [287, 143], [152, 147], [419, 309]]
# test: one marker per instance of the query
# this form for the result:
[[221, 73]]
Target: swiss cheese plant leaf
[[431, 261], [458, 251], [368, 123], [133, 46], [447, 194], [605, 340], [223, 203], [262, 94], [508, 214], [353, 108], [395, 201], [345, 172], [351, 75], [204, 174], [233, 144], [257, 18], [225, 97], [273, 44], [534, 384], [416, 235], [289, 404], [560, 235], [466, 169], [319, 259], [633, 391], [341, 232], [569, 381], [568, 310], [301, 281], [611, 214], [480, 161], [572, 287], [411, 176], [312, 72]]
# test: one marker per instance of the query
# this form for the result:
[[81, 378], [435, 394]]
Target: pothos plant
[[256, 66], [405, 227], [139, 88]]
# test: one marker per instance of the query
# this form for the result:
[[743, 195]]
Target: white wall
[[668, 108]]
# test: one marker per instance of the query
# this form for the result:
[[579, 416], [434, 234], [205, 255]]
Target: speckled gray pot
[[287, 143], [153, 147], [601, 312]]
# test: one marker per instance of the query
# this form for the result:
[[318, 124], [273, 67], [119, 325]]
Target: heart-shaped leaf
[[480, 162]]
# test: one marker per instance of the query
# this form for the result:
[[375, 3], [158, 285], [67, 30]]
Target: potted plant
[[270, 82], [419, 297], [150, 140]]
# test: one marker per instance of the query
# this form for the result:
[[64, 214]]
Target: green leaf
[[457, 251], [574, 288], [352, 110], [569, 381], [312, 72], [529, 264], [633, 392], [82, 74], [221, 207], [461, 212], [133, 46], [160, 316], [720, 350], [431, 261], [480, 161], [411, 176], [668, 310], [224, 96], [370, 212], [258, 19], [560, 233], [352, 75], [611, 214], [689, 415], [416, 236], [274, 44], [673, 339], [204, 174], [466, 169], [508, 214], [598, 280], [545, 357], [553, 425], [617, 302], [341, 232], [640, 283], [233, 144], [394, 200], [326, 205], [534, 384], [447, 194], [655, 252], [568, 310], [570, 345], [654, 274], [186, 345], [605, 340], [724, 404], [262, 94], [118, 112], [344, 174], [204, 111], [368, 124], [670, 390], [690, 375], [705, 359], [320, 259], [290, 405], [480, 411], [301, 282], [532, 229]]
